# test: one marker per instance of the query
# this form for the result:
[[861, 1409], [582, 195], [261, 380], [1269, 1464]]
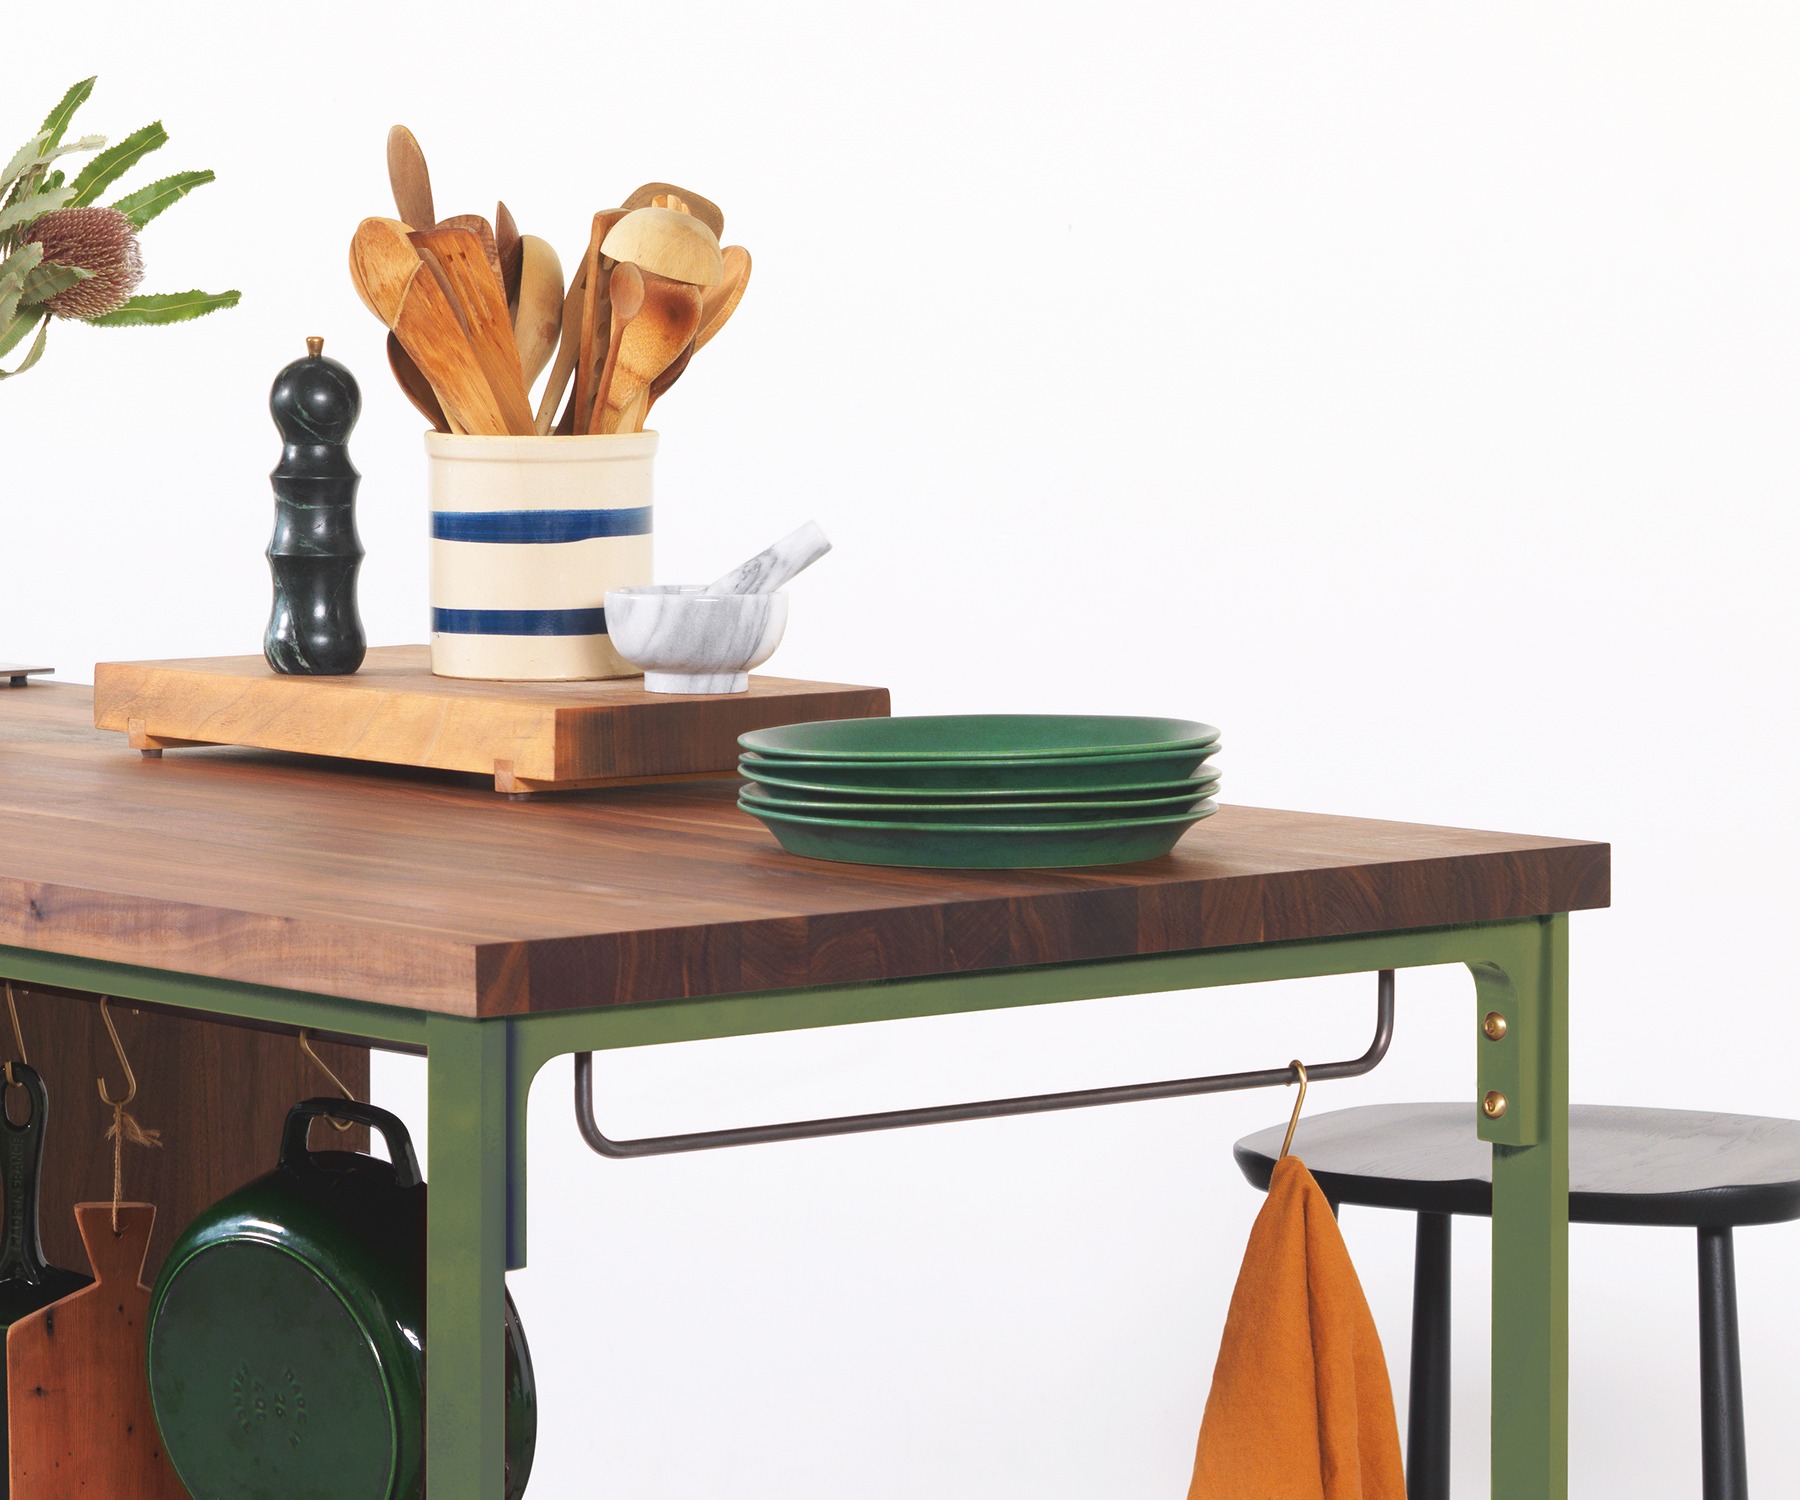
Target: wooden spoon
[[703, 209], [482, 302], [650, 343], [394, 284], [506, 242], [416, 387], [716, 305], [409, 179], [627, 293], [538, 314]]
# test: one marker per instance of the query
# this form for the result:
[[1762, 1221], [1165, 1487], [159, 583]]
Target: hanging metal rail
[[986, 1109]]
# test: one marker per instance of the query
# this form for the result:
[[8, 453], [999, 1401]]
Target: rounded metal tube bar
[[986, 1109]]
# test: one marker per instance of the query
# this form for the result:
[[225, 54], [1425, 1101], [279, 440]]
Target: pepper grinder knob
[[314, 555]]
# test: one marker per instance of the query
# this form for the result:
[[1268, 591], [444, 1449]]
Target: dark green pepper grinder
[[314, 628]]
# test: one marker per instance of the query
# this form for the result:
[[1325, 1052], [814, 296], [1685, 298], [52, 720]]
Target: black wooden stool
[[1710, 1173]]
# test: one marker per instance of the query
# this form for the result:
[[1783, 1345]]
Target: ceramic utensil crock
[[527, 536]]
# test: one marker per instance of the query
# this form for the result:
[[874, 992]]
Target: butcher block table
[[418, 911]]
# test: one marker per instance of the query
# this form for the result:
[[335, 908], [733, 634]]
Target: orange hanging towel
[[1301, 1407]]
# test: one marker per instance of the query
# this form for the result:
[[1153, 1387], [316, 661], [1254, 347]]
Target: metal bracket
[[987, 1109]]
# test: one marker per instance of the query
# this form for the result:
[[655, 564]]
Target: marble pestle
[[769, 570]]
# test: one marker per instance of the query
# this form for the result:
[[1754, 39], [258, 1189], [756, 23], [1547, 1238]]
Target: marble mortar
[[689, 641]]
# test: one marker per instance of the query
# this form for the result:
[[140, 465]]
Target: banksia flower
[[101, 240]]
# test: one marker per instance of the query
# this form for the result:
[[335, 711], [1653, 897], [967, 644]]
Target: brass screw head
[[1494, 1104], [1493, 1025]]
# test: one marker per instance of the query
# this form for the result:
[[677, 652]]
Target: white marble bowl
[[690, 642]]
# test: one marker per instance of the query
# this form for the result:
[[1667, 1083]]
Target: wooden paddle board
[[81, 1422]]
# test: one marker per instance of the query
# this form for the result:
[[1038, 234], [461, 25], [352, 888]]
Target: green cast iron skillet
[[26, 1282], [978, 737], [287, 1331]]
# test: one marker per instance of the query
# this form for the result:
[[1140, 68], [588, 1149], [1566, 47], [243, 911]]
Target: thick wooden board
[[80, 1414], [219, 1093], [430, 894], [529, 736]]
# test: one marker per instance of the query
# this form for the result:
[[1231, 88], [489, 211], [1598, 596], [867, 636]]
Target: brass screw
[[1493, 1025], [1494, 1105]]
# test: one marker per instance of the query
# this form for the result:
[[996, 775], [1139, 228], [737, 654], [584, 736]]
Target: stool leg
[[1722, 1461], [1428, 1414]]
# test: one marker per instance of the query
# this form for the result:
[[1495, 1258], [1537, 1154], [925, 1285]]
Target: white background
[[1406, 388]]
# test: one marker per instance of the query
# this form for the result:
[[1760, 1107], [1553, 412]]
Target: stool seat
[[1671, 1167]]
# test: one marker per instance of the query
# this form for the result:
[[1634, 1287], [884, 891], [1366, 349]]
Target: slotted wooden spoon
[[482, 301]]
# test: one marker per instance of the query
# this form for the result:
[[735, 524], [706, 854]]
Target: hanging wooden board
[[79, 1401], [529, 736]]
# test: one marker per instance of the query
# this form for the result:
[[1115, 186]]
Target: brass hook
[[1299, 1104], [124, 1062], [343, 1088], [12, 1005]]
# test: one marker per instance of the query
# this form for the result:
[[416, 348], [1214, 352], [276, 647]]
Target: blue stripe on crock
[[518, 621], [538, 526]]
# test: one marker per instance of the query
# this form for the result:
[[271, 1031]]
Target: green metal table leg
[[1528, 1065], [465, 1278]]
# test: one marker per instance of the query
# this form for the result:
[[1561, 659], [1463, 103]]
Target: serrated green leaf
[[166, 307], [147, 202], [48, 280], [15, 326], [21, 261], [37, 352], [27, 210], [58, 119], [114, 162], [28, 155], [10, 314]]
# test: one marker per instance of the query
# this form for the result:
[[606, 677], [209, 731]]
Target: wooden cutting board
[[79, 1399], [529, 736]]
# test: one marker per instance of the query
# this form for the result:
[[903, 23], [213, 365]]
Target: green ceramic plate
[[939, 737], [949, 846], [979, 813], [1021, 777], [768, 783]]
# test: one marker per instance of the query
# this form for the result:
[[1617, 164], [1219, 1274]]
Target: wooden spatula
[[82, 1422], [651, 342], [409, 179], [394, 284], [490, 247], [482, 302]]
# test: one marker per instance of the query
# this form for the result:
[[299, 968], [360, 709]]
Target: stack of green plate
[[981, 791]]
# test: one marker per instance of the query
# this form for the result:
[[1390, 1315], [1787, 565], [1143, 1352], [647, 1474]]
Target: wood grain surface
[[218, 1091], [80, 1415], [529, 736], [422, 890]]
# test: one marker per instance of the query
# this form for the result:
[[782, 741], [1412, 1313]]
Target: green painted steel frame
[[481, 1072]]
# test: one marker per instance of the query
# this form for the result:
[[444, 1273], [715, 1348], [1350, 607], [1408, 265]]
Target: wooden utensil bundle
[[476, 311]]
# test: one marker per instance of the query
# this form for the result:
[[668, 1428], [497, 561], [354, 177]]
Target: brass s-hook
[[343, 1088], [124, 1062], [12, 1006], [1299, 1104]]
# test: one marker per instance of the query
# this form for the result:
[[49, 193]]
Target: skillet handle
[[388, 1126]]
